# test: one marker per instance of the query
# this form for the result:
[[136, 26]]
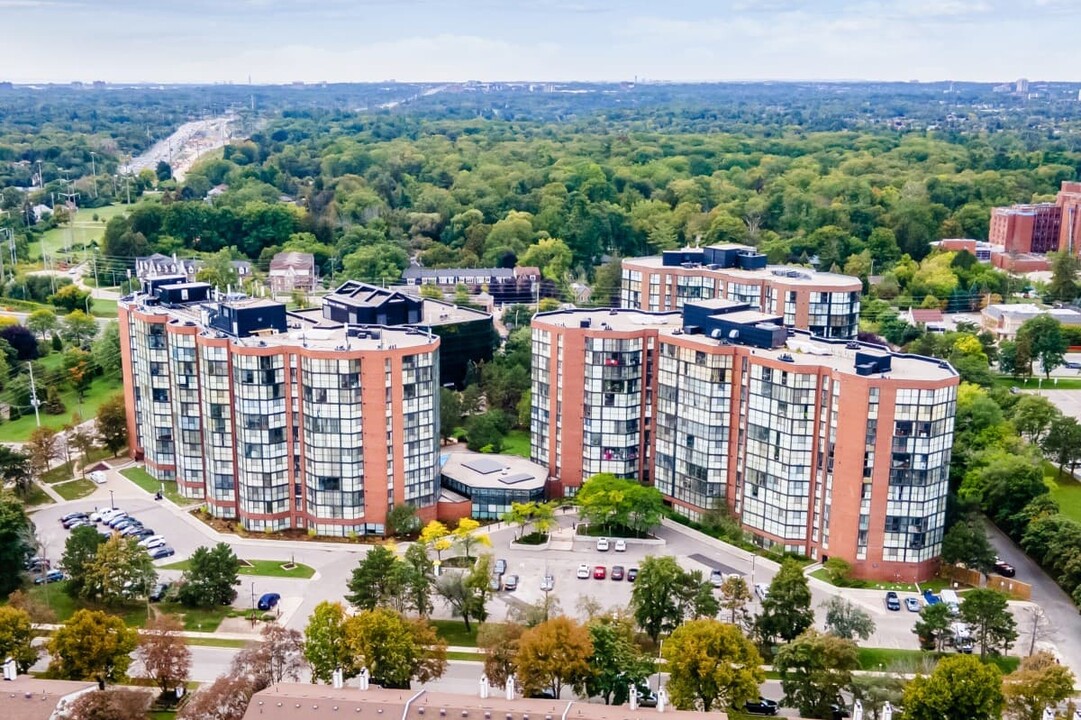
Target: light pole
[[94, 169], [253, 604], [112, 503], [660, 652]]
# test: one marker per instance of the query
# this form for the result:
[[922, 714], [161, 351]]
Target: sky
[[278, 41]]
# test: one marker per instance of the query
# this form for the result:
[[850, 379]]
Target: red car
[[599, 572]]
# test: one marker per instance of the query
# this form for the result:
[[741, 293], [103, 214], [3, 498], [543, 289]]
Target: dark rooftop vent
[[584, 323], [787, 358]]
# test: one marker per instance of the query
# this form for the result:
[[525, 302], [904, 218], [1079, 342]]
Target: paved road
[[184, 146]]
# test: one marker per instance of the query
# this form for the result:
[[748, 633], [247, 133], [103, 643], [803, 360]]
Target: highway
[[184, 146]]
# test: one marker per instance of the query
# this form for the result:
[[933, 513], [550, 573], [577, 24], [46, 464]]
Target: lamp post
[[660, 652], [112, 503], [253, 604]]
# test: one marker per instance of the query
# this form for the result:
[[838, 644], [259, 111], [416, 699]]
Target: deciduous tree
[[115, 704], [786, 609], [467, 537], [395, 650], [164, 653], [43, 447], [961, 686], [735, 594], [80, 550], [436, 537], [711, 664], [226, 698], [467, 592], [78, 328], [554, 654], [933, 626], [499, 642], [42, 322], [275, 658], [211, 577], [1040, 682], [966, 544], [655, 598], [847, 621], [16, 542], [92, 645], [325, 646], [618, 662], [17, 638], [814, 668], [111, 423], [16, 469], [120, 571]]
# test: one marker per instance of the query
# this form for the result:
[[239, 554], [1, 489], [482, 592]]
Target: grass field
[[1065, 490], [144, 480], [215, 642], [1035, 383], [454, 632], [83, 231], [100, 390], [935, 584], [38, 497], [517, 443], [890, 658], [62, 473], [265, 568], [475, 657], [75, 489]]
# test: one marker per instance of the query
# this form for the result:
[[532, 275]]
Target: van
[[949, 597]]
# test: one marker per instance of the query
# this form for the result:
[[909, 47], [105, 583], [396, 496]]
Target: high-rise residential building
[[828, 448], [823, 303], [280, 420]]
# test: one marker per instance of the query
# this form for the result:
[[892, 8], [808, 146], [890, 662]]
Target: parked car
[[1072, 365], [495, 583], [78, 523], [153, 541], [838, 711], [510, 583], [761, 590], [158, 593], [72, 516], [548, 582], [716, 578], [602, 545], [98, 476], [912, 604], [1004, 569], [142, 533], [620, 546], [268, 600], [583, 571], [37, 564], [930, 598], [108, 514], [617, 572], [136, 530], [646, 697], [500, 566], [49, 577], [761, 706], [79, 519], [163, 551], [542, 694], [632, 574], [600, 572], [893, 601], [115, 518]]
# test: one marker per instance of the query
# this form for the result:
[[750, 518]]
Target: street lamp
[[253, 604], [112, 503]]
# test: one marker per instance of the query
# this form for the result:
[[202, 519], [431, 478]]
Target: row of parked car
[[600, 572], [115, 520]]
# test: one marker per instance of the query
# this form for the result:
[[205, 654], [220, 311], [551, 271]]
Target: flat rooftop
[[498, 472], [619, 320], [806, 350], [773, 273]]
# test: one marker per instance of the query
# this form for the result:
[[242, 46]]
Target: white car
[[761, 590], [152, 542], [602, 545], [620, 546], [99, 477], [584, 572]]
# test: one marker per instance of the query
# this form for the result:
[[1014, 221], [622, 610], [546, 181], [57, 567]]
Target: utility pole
[[94, 259], [94, 170], [70, 197], [34, 395]]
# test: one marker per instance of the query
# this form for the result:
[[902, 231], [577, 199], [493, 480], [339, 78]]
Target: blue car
[[49, 577], [930, 598], [268, 601]]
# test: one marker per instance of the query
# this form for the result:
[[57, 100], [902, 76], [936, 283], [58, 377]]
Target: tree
[[16, 470], [961, 686], [92, 645], [1043, 334], [551, 255], [735, 594], [325, 646], [17, 638], [70, 298], [78, 328], [814, 668], [275, 658], [80, 550], [933, 626], [847, 621], [42, 322], [988, 615], [22, 341], [466, 536], [655, 598], [618, 662], [395, 650], [226, 698], [80, 373], [402, 520], [377, 579], [106, 350], [1063, 443], [499, 642], [467, 593], [16, 542], [115, 704], [1064, 271], [164, 654], [43, 447], [120, 571], [711, 664], [611, 502], [554, 654], [875, 690], [786, 609], [450, 412], [1033, 415], [419, 571], [211, 577], [966, 544], [436, 536], [485, 431], [1040, 682], [111, 423], [163, 171]]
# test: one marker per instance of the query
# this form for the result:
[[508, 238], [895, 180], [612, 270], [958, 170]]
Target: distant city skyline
[[281, 41]]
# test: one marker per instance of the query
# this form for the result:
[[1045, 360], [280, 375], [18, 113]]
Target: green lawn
[[517, 443], [104, 308], [935, 584], [1065, 490], [476, 657], [146, 481], [200, 619], [216, 642], [1034, 383], [83, 231], [454, 632], [266, 568], [75, 489], [885, 658], [100, 390], [37, 497]]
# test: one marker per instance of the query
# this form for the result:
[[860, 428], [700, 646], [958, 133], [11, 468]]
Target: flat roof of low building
[[499, 472], [773, 273], [616, 319], [30, 698]]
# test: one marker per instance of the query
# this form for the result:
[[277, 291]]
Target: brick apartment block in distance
[[829, 448], [315, 420], [1022, 235], [825, 304]]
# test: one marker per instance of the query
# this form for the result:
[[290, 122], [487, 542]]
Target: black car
[[893, 602], [543, 695], [158, 593], [37, 564], [838, 711], [646, 697], [1004, 569], [70, 518], [162, 552], [632, 573], [761, 706], [142, 533]]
